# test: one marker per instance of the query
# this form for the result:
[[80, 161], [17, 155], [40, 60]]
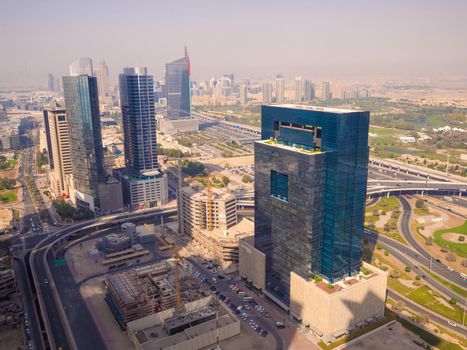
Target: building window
[[279, 185]]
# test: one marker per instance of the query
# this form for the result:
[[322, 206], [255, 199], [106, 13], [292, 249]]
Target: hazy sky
[[330, 39]]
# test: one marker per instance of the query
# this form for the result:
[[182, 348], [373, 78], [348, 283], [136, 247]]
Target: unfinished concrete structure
[[129, 298], [193, 326], [140, 292], [213, 224]]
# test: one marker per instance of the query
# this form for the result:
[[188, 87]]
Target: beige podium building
[[330, 311]]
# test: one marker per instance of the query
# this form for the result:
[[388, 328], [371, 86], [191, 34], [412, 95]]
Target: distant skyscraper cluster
[[326, 91], [74, 141], [280, 88], [304, 90], [102, 74], [82, 66], [53, 84]]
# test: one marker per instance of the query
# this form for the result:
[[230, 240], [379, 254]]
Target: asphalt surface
[[85, 333], [22, 280], [51, 308], [433, 317], [436, 266], [223, 286]]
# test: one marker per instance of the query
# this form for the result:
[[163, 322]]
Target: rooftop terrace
[[294, 148]]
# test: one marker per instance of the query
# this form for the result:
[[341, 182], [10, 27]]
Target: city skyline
[[379, 48]]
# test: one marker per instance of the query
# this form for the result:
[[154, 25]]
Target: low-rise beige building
[[252, 264], [334, 310], [328, 310], [194, 325]]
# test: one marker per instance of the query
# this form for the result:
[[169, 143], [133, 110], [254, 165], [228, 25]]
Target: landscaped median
[[458, 245], [383, 217], [410, 284], [454, 287]]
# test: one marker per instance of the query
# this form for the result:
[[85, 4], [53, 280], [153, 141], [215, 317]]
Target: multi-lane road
[[67, 320], [436, 266]]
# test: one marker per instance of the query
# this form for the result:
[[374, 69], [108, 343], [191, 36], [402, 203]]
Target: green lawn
[[423, 295], [386, 204], [8, 196], [387, 131], [454, 287], [457, 248]]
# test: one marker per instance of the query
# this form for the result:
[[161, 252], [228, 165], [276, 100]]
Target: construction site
[[209, 216], [146, 290], [10, 300], [194, 325]]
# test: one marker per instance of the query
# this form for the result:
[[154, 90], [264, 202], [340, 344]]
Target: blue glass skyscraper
[[178, 86], [84, 125], [144, 183], [139, 120], [310, 189]]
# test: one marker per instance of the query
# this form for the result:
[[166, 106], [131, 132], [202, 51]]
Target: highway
[[421, 310], [61, 285], [49, 308], [28, 298], [437, 267], [407, 256]]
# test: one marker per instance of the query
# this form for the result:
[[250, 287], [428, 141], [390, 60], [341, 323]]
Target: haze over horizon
[[321, 40]]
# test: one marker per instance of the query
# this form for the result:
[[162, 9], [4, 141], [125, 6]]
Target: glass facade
[[318, 230], [139, 121], [178, 85], [84, 125], [279, 185]]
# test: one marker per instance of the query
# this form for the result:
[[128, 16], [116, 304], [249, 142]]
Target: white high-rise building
[[326, 91], [308, 90], [102, 74], [299, 89], [243, 94], [82, 66], [280, 82], [267, 92]]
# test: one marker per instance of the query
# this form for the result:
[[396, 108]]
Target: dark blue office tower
[[178, 85], [310, 189]]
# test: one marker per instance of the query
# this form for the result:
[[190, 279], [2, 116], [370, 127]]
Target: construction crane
[[178, 300]]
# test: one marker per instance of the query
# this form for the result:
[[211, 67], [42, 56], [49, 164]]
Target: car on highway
[[452, 323], [46, 281], [280, 325]]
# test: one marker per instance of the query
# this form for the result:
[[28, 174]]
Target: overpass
[[377, 188], [255, 132], [61, 329]]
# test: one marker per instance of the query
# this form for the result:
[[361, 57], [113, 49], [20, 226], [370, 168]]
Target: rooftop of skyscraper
[[315, 108]]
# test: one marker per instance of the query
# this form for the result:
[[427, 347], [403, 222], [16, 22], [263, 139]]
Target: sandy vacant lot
[[233, 161]]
